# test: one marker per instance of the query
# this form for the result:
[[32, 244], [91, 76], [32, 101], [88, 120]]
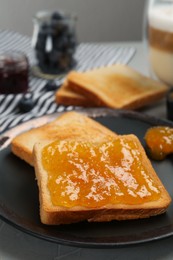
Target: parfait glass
[[158, 37]]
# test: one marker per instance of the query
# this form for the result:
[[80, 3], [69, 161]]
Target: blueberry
[[71, 32], [41, 40], [70, 52], [72, 42], [73, 63], [64, 62], [44, 26], [26, 104], [57, 16], [61, 43], [40, 45], [55, 56], [51, 85], [62, 27], [57, 43], [54, 25], [40, 55]]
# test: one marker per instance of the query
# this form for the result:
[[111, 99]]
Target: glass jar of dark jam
[[14, 68], [54, 41]]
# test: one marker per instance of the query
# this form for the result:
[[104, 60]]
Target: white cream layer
[[161, 17]]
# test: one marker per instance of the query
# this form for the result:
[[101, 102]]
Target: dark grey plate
[[19, 205]]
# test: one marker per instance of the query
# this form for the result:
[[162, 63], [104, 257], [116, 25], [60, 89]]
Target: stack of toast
[[87, 172], [117, 86]]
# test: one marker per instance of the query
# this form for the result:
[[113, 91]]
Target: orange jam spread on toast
[[94, 175], [159, 140]]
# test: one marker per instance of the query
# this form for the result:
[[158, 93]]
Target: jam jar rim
[[19, 60]]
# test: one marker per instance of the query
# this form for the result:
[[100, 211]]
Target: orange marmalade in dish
[[94, 175], [159, 140]]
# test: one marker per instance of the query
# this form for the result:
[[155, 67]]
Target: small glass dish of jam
[[14, 67], [159, 141], [54, 42]]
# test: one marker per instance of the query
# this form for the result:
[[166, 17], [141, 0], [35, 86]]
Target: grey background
[[98, 20]]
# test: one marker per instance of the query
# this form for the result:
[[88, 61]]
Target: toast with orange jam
[[97, 181], [68, 125]]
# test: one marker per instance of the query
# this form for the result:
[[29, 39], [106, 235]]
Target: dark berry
[[40, 56], [41, 40], [54, 25], [61, 43], [55, 56], [70, 52], [64, 62], [51, 85], [44, 26], [62, 27], [57, 16], [26, 104], [73, 63], [72, 42]]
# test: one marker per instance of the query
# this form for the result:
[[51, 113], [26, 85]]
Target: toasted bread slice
[[68, 125], [116, 86], [66, 96], [97, 181]]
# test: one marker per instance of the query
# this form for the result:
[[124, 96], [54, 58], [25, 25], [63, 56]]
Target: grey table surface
[[15, 244]]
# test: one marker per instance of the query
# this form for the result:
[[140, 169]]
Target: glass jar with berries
[[54, 41]]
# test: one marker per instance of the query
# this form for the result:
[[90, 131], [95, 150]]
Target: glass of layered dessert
[[160, 39]]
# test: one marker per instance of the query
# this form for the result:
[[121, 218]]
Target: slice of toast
[[68, 125], [66, 96], [97, 181], [116, 86]]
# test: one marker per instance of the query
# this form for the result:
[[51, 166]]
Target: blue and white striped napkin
[[88, 56]]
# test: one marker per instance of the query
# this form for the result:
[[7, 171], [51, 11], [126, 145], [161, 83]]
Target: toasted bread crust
[[52, 215], [96, 215], [68, 125], [66, 96]]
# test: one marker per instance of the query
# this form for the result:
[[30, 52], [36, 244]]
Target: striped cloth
[[88, 56]]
